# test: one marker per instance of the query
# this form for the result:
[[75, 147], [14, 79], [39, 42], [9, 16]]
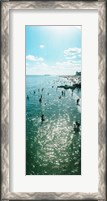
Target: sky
[[53, 50]]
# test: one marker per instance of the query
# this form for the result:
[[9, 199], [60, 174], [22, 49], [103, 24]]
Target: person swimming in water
[[78, 101], [40, 100], [27, 97], [77, 124], [42, 118]]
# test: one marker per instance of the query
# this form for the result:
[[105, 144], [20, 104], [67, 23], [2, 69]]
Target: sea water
[[53, 147]]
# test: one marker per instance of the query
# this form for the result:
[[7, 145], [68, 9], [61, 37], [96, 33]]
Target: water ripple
[[54, 147]]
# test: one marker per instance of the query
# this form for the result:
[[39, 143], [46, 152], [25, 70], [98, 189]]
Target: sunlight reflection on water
[[52, 147]]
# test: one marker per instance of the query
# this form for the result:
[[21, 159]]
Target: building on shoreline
[[78, 73]]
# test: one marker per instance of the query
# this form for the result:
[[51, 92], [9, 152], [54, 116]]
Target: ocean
[[53, 142]]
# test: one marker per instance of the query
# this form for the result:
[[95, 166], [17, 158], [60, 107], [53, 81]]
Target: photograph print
[[53, 100]]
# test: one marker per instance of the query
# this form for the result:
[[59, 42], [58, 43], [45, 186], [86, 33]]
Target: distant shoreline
[[75, 79]]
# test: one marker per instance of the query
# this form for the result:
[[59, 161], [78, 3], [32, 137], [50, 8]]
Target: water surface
[[54, 146]]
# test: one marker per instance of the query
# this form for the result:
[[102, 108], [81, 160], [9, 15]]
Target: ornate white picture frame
[[6, 7]]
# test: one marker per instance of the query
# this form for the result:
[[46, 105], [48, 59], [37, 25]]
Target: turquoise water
[[53, 147]]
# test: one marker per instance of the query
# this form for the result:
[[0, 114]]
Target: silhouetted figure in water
[[78, 101], [62, 93], [40, 100], [27, 97], [34, 91], [42, 89], [42, 118], [77, 124], [52, 86], [59, 97]]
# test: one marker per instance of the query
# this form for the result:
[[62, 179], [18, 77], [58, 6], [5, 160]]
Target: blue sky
[[54, 50]]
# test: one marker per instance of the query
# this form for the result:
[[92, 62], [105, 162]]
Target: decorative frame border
[[5, 7]]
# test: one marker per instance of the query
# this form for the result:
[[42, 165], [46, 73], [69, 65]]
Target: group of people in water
[[77, 125]]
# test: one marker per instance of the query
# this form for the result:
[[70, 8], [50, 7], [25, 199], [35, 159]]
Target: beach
[[53, 139]]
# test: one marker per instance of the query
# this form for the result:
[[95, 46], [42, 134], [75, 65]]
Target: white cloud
[[64, 63], [58, 69], [42, 46], [39, 63], [34, 58], [73, 55], [35, 63], [69, 64], [76, 62], [30, 58], [72, 52]]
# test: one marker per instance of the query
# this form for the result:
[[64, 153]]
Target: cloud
[[64, 63], [58, 69], [42, 46], [68, 66], [34, 58], [30, 58], [72, 52], [35, 61], [69, 63], [76, 62], [44, 65], [73, 55]]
